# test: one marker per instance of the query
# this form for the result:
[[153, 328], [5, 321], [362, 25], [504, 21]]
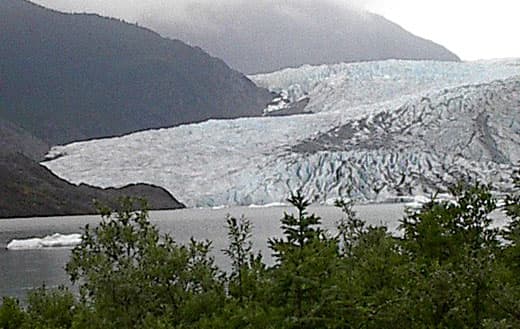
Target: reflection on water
[[23, 270]]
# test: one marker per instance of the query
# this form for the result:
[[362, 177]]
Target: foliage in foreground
[[450, 268]]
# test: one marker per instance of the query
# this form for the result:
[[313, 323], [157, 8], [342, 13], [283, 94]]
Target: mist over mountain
[[67, 77], [264, 36]]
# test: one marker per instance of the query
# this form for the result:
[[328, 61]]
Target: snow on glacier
[[348, 85], [204, 163], [380, 129]]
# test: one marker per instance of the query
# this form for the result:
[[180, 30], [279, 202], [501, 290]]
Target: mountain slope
[[67, 77], [13, 139], [267, 35], [416, 133], [29, 189]]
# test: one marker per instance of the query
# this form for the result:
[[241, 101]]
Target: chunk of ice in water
[[51, 241]]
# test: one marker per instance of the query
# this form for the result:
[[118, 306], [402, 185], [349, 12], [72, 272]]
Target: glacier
[[379, 131], [349, 85]]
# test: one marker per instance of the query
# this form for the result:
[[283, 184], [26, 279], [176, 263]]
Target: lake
[[23, 270]]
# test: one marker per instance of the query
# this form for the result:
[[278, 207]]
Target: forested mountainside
[[29, 189], [68, 77]]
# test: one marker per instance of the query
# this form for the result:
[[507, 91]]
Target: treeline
[[448, 268]]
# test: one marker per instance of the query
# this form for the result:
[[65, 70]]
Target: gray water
[[23, 270]]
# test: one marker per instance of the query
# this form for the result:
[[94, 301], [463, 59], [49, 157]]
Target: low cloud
[[262, 35], [187, 10]]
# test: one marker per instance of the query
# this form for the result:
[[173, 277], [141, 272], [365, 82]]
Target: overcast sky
[[473, 29]]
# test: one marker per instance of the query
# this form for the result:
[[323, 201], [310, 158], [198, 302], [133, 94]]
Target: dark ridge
[[30, 190], [69, 77]]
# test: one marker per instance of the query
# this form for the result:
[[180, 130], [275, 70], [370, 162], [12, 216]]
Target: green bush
[[128, 273], [50, 308], [12, 316], [450, 268]]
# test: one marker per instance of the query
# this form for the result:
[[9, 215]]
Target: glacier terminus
[[379, 130]]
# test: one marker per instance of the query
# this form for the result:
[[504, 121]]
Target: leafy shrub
[[12, 315], [449, 269], [50, 308], [128, 273]]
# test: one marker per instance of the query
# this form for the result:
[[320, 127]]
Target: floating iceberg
[[269, 205], [219, 207], [418, 202], [56, 240]]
